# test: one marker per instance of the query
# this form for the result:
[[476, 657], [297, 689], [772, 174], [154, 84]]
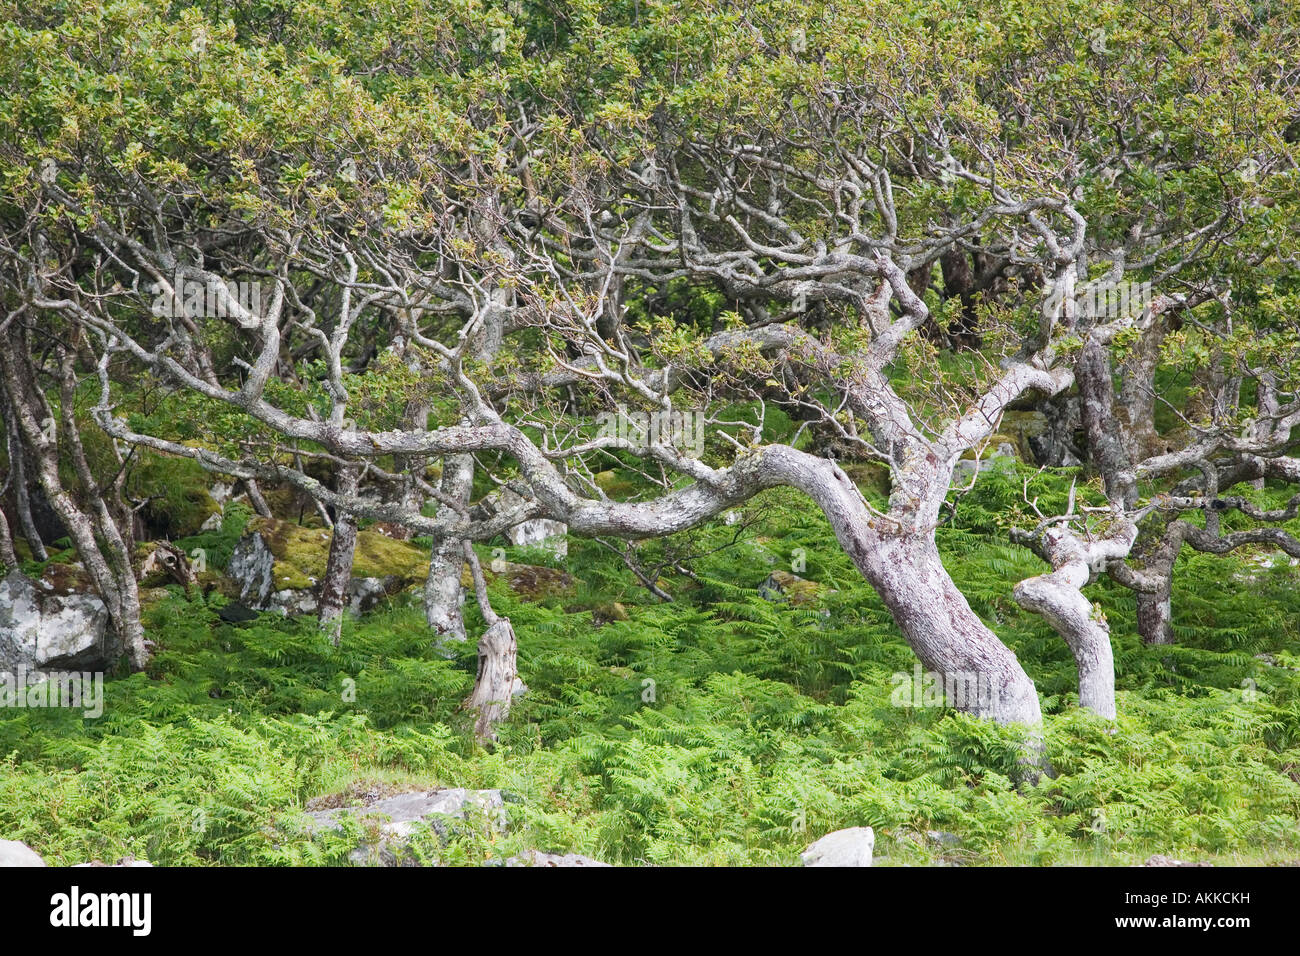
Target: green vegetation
[[761, 718]]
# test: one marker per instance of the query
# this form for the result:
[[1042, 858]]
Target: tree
[[465, 250]]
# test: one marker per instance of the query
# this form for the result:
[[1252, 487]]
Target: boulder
[[13, 853], [394, 819], [541, 533], [221, 494], [54, 623], [851, 847], [784, 586], [538, 858], [278, 565], [126, 861], [533, 533]]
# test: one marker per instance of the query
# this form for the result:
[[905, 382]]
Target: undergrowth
[[719, 729]]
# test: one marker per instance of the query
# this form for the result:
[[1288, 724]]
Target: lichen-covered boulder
[[54, 623], [851, 847], [393, 820], [538, 858], [278, 565], [13, 853], [784, 586]]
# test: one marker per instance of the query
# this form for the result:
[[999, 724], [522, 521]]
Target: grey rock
[[851, 847], [398, 816], [538, 858], [13, 853], [44, 627], [251, 566], [126, 861], [541, 533]]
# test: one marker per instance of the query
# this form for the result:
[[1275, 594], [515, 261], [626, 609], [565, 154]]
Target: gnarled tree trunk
[[443, 594], [338, 568]]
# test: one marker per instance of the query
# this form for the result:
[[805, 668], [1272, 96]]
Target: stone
[[278, 565], [13, 853], [541, 533], [937, 837], [126, 861], [538, 858], [1161, 860], [851, 847], [396, 817], [784, 586], [55, 623]]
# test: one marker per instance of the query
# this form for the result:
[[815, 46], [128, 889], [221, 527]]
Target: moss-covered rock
[[532, 581], [280, 564], [1018, 427], [301, 554], [784, 586]]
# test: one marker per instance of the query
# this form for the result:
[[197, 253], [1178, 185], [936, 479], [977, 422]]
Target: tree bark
[[22, 498], [8, 557], [113, 576], [443, 594], [946, 634], [1059, 598], [497, 678], [338, 567]]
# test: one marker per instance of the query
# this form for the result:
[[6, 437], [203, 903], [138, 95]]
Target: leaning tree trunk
[[338, 568], [898, 556], [979, 673], [1058, 597]]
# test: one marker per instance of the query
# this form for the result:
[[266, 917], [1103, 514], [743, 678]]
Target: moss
[[65, 578], [613, 485], [868, 476], [301, 554], [178, 490], [1018, 427], [798, 591]]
